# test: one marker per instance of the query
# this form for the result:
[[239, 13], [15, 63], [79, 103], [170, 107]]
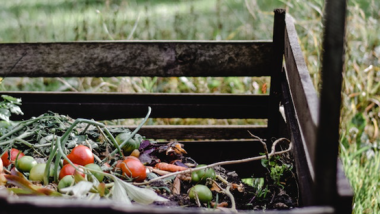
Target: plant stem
[[273, 152], [21, 126], [134, 132]]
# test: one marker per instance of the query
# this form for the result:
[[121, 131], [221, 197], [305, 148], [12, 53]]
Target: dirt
[[282, 194]]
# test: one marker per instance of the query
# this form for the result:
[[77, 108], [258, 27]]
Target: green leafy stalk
[[135, 131], [47, 169]]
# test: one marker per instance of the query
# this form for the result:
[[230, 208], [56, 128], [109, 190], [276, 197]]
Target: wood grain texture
[[305, 170], [276, 70], [304, 96], [106, 106], [136, 58], [328, 138], [48, 205], [201, 131]]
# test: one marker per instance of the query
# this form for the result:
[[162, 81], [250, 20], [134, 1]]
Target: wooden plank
[[200, 131], [136, 58], [303, 93], [56, 205], [326, 150], [106, 106], [304, 168], [344, 190], [276, 70]]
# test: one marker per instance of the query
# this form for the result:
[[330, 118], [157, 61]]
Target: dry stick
[[273, 152], [262, 142]]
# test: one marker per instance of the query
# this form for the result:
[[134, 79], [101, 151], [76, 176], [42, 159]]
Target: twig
[[262, 142], [228, 193], [273, 152]]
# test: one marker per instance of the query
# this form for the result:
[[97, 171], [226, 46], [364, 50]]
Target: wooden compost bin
[[280, 59]]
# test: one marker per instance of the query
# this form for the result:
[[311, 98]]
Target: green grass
[[70, 20]]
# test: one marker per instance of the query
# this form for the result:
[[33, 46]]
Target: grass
[[70, 20]]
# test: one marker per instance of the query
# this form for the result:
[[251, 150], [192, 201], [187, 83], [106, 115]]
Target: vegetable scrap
[[55, 155]]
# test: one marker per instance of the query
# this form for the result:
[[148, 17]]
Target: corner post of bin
[[326, 151], [275, 73]]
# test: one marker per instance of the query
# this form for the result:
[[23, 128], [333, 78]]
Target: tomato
[[203, 192], [14, 152], [81, 155], [69, 170], [37, 172], [96, 167], [130, 145], [133, 168], [26, 163], [201, 176], [66, 181]]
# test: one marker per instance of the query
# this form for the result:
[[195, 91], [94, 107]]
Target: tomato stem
[[135, 131]]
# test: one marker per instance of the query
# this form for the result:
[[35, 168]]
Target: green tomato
[[37, 172], [26, 163], [66, 181], [96, 167], [203, 192], [201, 176], [131, 144]]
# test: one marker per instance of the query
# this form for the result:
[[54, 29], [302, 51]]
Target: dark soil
[[272, 195]]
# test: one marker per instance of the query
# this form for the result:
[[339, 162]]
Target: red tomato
[[133, 168], [69, 170], [81, 155], [14, 152]]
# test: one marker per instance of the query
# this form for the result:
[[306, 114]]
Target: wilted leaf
[[119, 193], [139, 195], [5, 114], [102, 189], [80, 189]]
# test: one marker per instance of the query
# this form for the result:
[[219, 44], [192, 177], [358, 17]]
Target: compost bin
[[320, 190]]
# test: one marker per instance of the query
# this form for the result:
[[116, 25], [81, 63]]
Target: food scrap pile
[[58, 156]]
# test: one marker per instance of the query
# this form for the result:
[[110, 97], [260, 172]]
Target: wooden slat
[[208, 152], [305, 170], [276, 70], [327, 146], [136, 58], [303, 94], [201, 131], [60, 205], [344, 191], [105, 106]]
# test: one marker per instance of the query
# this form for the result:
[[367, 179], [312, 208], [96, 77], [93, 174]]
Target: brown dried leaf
[[239, 187], [178, 149], [215, 187], [176, 188]]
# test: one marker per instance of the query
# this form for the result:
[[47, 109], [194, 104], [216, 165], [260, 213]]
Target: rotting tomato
[[37, 172], [203, 192], [133, 168], [14, 152], [69, 170], [81, 155], [201, 176]]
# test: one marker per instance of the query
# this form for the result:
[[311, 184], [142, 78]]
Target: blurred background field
[[82, 20]]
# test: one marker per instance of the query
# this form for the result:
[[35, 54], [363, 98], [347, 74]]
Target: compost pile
[[58, 156]]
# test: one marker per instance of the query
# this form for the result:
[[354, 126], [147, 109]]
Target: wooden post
[[326, 150], [276, 70]]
